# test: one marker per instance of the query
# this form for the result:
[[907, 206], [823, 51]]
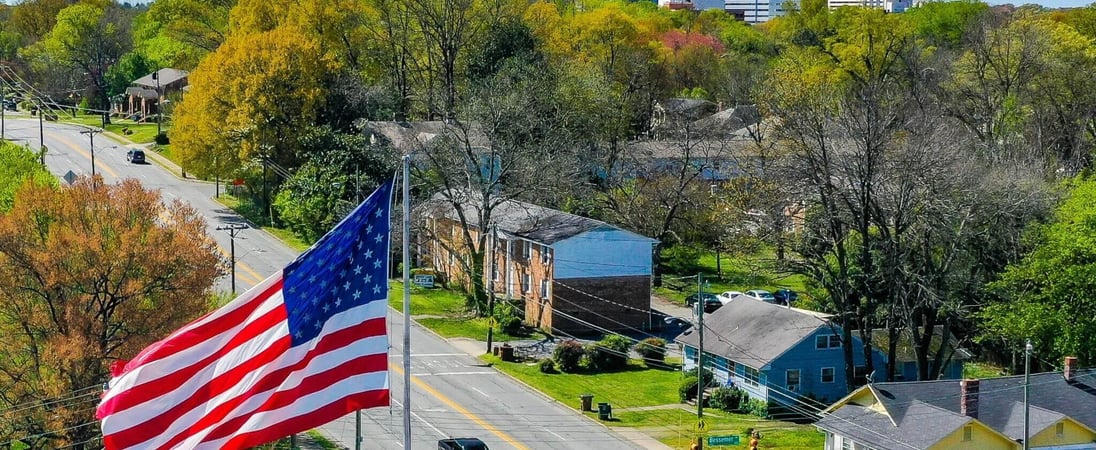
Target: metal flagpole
[[406, 302]]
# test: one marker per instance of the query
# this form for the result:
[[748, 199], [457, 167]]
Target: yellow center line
[[79, 149], [253, 278], [466, 413]]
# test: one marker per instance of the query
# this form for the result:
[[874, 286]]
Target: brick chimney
[[1070, 368], [968, 394]]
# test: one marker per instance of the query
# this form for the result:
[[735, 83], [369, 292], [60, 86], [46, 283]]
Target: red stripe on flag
[[187, 337], [154, 426], [151, 390], [310, 385], [326, 414]]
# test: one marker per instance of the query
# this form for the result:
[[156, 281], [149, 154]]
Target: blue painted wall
[[603, 252]]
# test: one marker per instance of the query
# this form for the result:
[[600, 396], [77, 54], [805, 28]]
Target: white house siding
[[602, 253]]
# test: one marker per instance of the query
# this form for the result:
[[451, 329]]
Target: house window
[[1060, 429], [827, 374], [494, 271], [750, 376], [968, 433], [860, 375], [543, 288], [846, 444], [545, 255], [793, 380], [525, 281], [825, 341], [526, 249]]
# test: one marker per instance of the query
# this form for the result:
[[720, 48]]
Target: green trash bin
[[604, 411]]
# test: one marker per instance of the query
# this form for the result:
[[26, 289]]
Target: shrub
[[709, 378], [162, 139], [687, 390], [755, 407], [611, 353], [511, 325], [568, 355], [652, 349], [547, 366], [728, 399], [681, 259]]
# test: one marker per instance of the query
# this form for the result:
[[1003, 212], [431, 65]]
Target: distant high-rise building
[[754, 11]]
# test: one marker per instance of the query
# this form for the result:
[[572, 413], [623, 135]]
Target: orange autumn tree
[[89, 274]]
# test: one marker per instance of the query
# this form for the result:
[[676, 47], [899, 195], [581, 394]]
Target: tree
[[90, 274], [89, 37], [201, 24], [17, 165], [34, 19], [251, 98], [1043, 296]]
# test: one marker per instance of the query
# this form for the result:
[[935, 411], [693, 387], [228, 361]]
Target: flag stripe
[[152, 371], [318, 384], [178, 375], [325, 414], [219, 321], [197, 412]]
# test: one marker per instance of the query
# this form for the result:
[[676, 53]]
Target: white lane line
[[453, 373], [481, 392], [556, 435], [413, 414], [414, 355]]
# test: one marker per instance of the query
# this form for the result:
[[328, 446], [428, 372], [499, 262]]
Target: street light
[[232, 229], [159, 97]]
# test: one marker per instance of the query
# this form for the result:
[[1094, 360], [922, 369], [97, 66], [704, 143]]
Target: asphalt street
[[453, 394]]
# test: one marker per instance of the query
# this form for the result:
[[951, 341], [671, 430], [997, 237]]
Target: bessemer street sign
[[724, 440]]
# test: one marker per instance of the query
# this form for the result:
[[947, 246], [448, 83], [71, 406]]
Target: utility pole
[[159, 99], [232, 230], [1027, 383], [700, 358], [3, 107], [91, 138], [491, 289]]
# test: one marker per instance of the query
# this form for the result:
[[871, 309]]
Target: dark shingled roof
[[1000, 406], [406, 137], [922, 427], [531, 222], [753, 332]]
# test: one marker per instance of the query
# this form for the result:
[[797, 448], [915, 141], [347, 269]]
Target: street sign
[[70, 177], [701, 427], [724, 440]]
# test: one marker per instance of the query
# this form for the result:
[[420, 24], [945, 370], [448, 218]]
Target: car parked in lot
[[785, 296], [762, 295], [136, 156], [728, 296], [711, 301], [461, 444]]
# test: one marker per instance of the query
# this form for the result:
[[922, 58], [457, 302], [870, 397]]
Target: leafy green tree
[[18, 165], [1047, 297], [944, 23], [90, 37], [131, 66]]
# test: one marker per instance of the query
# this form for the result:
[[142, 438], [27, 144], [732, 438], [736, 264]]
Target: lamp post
[[1027, 379], [232, 229], [91, 140]]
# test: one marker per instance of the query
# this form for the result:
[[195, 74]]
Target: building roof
[[142, 92], [730, 120], [1000, 406], [406, 137], [531, 222], [904, 350], [754, 333], [166, 76], [877, 430]]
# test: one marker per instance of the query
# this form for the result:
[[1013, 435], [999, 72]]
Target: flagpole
[[406, 303]]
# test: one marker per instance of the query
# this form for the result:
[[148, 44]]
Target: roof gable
[[753, 332], [166, 76]]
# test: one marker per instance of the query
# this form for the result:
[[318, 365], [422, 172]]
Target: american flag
[[303, 348]]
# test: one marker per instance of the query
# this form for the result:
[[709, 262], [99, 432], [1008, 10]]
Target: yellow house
[[968, 414]]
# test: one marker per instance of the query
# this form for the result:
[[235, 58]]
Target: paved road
[[453, 393]]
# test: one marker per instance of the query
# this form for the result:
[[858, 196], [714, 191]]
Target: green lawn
[[287, 237], [641, 387], [975, 370], [141, 132], [734, 273]]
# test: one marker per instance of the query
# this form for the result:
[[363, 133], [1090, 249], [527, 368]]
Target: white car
[[762, 295], [726, 297]]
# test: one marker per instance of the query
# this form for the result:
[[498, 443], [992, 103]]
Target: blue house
[[775, 352]]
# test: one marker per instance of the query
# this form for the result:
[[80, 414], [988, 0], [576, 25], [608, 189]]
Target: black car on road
[[136, 156], [461, 444]]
